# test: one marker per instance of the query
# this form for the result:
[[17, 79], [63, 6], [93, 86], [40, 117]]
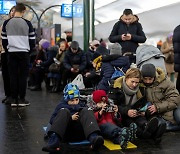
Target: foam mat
[[111, 146]]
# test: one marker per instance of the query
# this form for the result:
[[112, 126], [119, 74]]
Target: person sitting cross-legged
[[72, 121]]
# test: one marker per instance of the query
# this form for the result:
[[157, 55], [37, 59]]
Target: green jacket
[[163, 95]]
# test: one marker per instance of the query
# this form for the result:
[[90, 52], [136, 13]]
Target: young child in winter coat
[[72, 121], [109, 120]]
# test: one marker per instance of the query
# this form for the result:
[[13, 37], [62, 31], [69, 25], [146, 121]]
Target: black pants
[[178, 82], [5, 74], [18, 66], [70, 130]]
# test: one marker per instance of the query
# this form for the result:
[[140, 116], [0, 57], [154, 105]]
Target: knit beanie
[[74, 45], [99, 95], [44, 43], [70, 92], [95, 42], [148, 70], [116, 49]]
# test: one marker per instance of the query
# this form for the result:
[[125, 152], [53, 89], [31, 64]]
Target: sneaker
[[124, 137], [53, 144], [97, 142], [4, 100], [10, 101], [150, 127], [133, 130], [20, 103], [160, 131]]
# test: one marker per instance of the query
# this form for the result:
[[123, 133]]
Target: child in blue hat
[[72, 121]]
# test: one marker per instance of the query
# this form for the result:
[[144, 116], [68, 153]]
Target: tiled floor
[[21, 129]]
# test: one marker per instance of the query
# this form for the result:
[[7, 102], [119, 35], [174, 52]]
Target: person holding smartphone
[[128, 32]]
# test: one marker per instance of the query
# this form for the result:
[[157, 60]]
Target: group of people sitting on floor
[[143, 103]]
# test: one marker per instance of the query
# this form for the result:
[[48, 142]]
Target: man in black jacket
[[176, 44], [128, 32]]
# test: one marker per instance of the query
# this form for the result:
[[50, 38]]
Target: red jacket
[[107, 117]]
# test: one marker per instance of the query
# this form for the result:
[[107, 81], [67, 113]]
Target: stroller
[[149, 54]]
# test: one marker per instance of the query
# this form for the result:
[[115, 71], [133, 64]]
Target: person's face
[[12, 13], [74, 50], [62, 47], [132, 83], [148, 80], [128, 19], [101, 104], [74, 101]]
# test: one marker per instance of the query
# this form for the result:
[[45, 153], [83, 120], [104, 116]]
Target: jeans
[[110, 131], [174, 127]]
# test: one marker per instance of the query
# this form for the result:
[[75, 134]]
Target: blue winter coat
[[78, 58], [63, 104], [107, 69], [176, 44]]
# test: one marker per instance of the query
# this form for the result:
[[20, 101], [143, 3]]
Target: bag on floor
[[79, 81], [54, 68]]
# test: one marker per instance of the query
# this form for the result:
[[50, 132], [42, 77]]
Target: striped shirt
[[18, 35]]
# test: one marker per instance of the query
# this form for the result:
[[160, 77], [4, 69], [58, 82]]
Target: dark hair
[[127, 12], [12, 9], [20, 7]]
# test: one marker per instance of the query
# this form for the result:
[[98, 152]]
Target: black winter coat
[[135, 29], [176, 44], [78, 58]]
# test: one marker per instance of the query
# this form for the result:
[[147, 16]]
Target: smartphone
[[125, 34]]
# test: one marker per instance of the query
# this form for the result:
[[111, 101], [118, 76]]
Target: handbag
[[118, 72], [170, 58], [79, 81], [54, 68]]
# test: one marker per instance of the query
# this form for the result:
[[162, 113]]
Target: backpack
[[118, 72]]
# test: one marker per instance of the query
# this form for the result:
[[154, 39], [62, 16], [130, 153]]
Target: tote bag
[[79, 81]]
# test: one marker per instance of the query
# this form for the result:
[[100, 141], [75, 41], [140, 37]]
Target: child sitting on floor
[[109, 120], [72, 121]]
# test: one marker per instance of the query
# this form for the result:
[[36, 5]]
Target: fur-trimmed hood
[[135, 19]]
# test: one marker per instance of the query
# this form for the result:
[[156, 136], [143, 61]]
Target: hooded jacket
[[119, 96], [163, 94], [176, 45], [136, 31]]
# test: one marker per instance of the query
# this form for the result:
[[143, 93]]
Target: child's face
[[74, 101], [101, 104]]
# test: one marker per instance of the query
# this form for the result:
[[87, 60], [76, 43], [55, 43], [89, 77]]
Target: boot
[[53, 144]]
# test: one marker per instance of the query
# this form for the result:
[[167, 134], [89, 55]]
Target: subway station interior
[[22, 128]]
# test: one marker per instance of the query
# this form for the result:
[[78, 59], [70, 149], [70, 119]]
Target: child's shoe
[[124, 137], [133, 130], [96, 141], [53, 144]]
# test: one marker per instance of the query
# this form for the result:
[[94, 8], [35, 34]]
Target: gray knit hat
[[115, 49], [148, 70]]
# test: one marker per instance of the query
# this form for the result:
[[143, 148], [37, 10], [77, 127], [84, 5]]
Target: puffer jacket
[[109, 63], [78, 58], [136, 31], [118, 97], [176, 45], [163, 95]]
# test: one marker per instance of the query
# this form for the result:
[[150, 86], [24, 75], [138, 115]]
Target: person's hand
[[38, 61], [123, 37], [72, 70], [132, 113], [75, 116], [115, 108], [102, 109], [152, 109], [87, 74], [128, 36], [76, 70]]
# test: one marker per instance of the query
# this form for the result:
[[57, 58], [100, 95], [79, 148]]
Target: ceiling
[[156, 16]]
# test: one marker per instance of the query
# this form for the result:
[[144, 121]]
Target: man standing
[[176, 45], [18, 39], [128, 32]]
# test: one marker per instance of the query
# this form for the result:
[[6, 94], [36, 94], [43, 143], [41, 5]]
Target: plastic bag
[[79, 81], [117, 73]]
